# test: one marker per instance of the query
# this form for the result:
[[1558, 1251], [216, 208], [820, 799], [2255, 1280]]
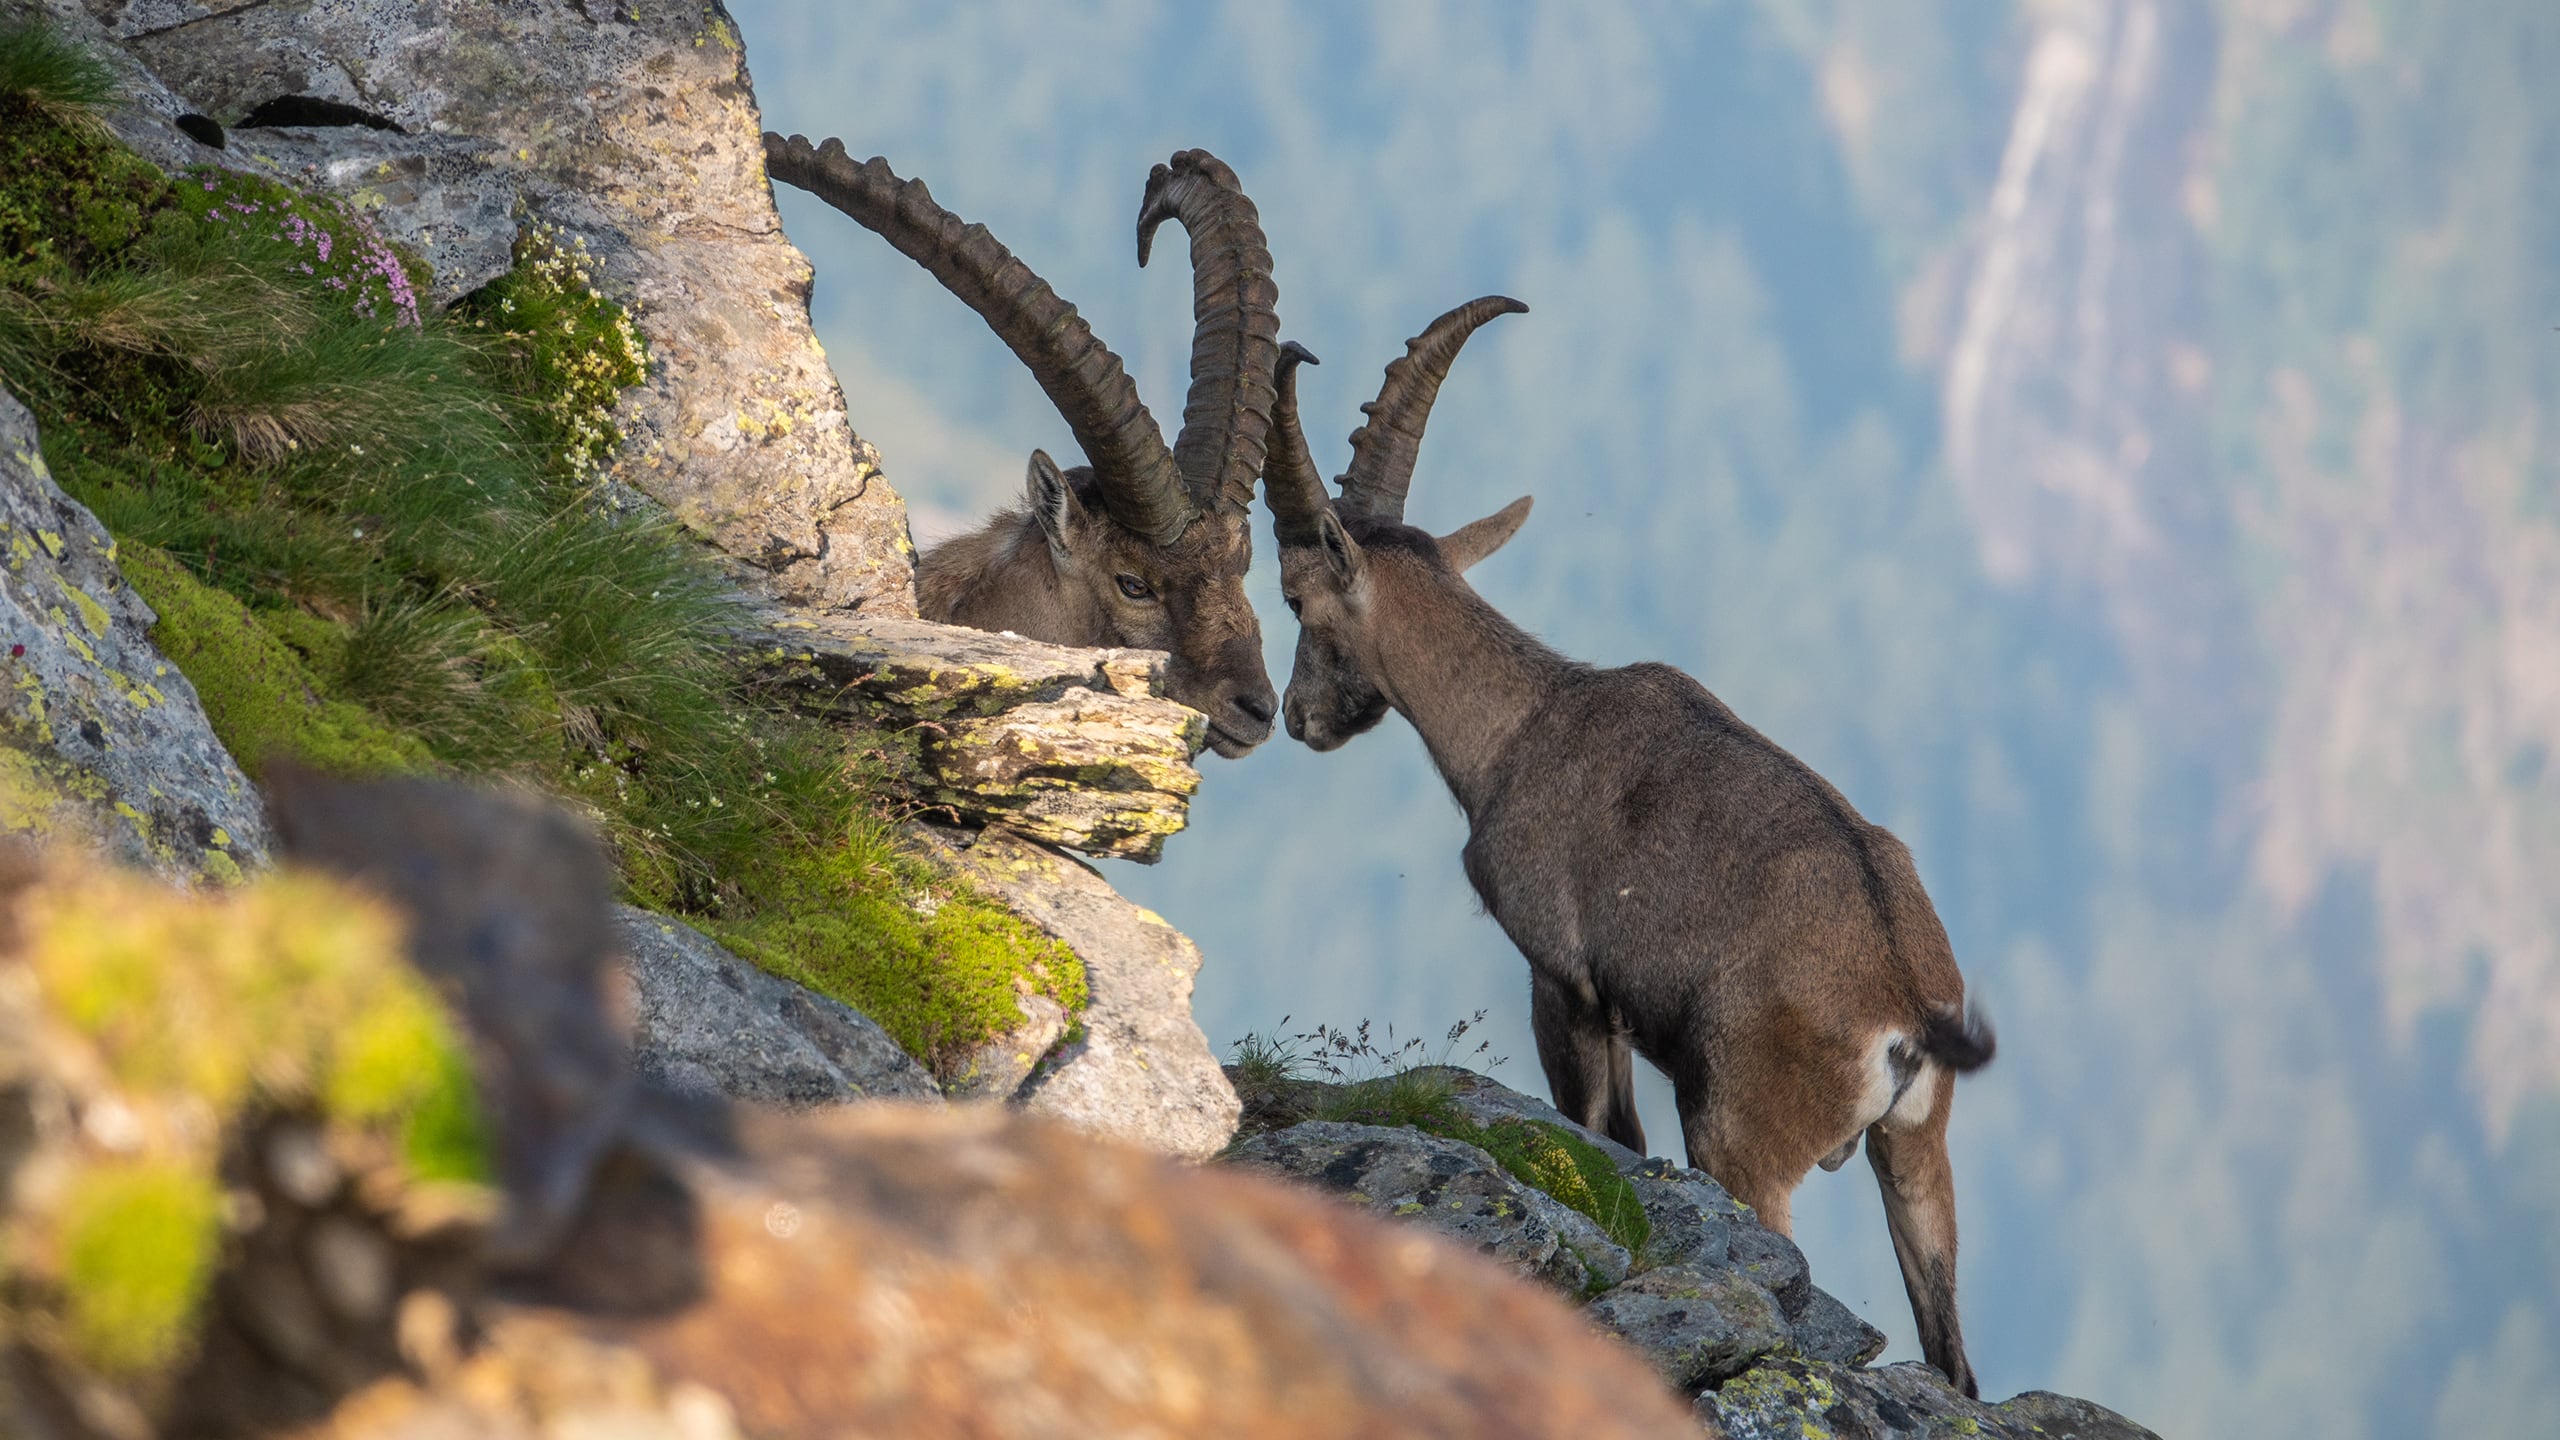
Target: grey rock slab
[[100, 736], [996, 1070], [709, 1023], [635, 129], [1792, 1398], [1693, 1219], [446, 197], [1829, 1330], [1444, 1185], [1697, 1326], [1141, 1070]]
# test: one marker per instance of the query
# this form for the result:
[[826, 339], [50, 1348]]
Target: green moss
[[263, 701], [70, 196], [137, 1253], [940, 978]]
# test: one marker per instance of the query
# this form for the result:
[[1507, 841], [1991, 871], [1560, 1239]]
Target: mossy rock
[[263, 700], [941, 977]]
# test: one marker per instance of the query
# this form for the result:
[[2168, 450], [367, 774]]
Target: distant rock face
[[632, 126], [104, 736], [709, 1023], [1141, 1071]]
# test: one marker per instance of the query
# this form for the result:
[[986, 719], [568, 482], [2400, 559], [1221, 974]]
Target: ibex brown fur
[[1147, 547], [1682, 887]]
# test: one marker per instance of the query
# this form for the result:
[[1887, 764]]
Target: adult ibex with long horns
[[1680, 885], [1144, 547]]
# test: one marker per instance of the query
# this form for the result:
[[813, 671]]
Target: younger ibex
[[1146, 547], [1679, 884]]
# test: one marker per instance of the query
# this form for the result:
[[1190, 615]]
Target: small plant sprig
[[567, 342], [1351, 1056]]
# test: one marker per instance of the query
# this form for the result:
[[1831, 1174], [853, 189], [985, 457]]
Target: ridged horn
[[1235, 326], [1291, 484], [1383, 450], [1140, 486]]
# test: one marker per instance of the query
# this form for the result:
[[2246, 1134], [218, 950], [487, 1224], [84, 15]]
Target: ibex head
[[1329, 548], [1146, 546]]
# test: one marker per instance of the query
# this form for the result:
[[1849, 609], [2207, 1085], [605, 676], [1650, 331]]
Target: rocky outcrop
[[1800, 1399], [104, 737], [1140, 1070], [708, 1023], [1724, 1309], [1070, 746], [631, 127], [1449, 1187]]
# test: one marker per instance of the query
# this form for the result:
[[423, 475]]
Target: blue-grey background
[[2111, 439]]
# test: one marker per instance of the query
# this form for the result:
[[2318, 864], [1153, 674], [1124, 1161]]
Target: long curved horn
[[1140, 486], [1383, 450], [1291, 484], [1235, 326]]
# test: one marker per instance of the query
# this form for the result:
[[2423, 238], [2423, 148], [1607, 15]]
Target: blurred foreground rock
[[651, 1264], [99, 734]]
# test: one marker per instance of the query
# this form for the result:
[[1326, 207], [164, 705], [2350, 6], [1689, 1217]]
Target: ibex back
[[1148, 546], [1682, 887]]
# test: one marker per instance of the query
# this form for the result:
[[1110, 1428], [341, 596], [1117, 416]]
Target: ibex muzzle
[[1146, 546], [1682, 887]]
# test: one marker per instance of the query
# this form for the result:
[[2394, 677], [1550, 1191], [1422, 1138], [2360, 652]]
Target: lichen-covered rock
[[1799, 1399], [1141, 1071], [449, 198], [99, 733], [1070, 746], [1447, 1186], [634, 127], [1699, 1326], [709, 1023]]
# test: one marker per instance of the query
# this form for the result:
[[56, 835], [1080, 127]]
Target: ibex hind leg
[[1919, 1190], [1590, 1072]]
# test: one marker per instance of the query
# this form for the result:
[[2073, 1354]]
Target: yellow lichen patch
[[92, 614]]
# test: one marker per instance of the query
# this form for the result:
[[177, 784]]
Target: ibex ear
[[1341, 552], [1053, 502], [1472, 542]]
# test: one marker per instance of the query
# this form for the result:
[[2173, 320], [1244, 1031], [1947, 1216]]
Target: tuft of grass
[[44, 69]]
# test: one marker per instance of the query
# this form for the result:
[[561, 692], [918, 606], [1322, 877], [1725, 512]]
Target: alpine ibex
[[1680, 885], [1145, 547]]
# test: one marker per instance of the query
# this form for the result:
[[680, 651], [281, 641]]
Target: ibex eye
[[1294, 604], [1135, 588]]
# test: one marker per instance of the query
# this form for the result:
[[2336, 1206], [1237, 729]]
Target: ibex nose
[[1257, 707]]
